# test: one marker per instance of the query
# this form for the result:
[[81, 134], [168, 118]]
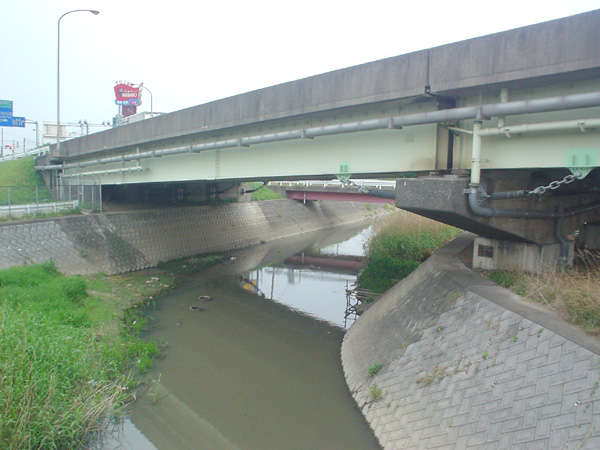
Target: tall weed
[[399, 244], [574, 293], [59, 377]]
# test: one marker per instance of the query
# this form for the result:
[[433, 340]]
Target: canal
[[252, 360]]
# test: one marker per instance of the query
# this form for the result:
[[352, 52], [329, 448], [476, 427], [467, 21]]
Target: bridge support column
[[494, 254]]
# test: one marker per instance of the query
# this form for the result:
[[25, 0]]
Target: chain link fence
[[35, 201]]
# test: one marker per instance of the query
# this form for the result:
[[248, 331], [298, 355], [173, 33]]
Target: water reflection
[[248, 372], [309, 290], [315, 281]]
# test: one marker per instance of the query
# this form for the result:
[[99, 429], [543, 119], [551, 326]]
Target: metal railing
[[37, 209], [31, 152], [23, 201], [377, 184]]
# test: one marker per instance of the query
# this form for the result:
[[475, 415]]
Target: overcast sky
[[192, 52]]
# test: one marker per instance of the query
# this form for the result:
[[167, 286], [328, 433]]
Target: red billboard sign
[[126, 94]]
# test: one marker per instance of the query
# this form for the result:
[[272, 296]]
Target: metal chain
[[553, 185]]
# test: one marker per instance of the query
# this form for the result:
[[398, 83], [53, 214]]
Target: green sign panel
[[344, 174], [6, 109]]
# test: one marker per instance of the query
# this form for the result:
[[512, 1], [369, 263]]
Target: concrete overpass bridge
[[498, 135]]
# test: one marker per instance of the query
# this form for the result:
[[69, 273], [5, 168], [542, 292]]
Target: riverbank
[[127, 241], [71, 348], [80, 344], [68, 358], [465, 362]]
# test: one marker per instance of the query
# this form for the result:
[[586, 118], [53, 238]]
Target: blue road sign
[[12, 122]]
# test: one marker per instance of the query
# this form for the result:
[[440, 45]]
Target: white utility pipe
[[104, 172], [560, 103], [508, 130]]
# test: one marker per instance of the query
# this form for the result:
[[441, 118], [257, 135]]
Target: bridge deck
[[555, 58]]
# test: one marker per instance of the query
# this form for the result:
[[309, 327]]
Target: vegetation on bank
[[22, 177], [263, 193], [22, 184], [70, 349], [400, 243], [573, 293], [66, 358]]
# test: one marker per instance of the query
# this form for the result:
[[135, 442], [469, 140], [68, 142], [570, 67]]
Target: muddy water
[[250, 371]]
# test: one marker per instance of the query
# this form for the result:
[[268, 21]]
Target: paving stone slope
[[469, 365], [121, 242]]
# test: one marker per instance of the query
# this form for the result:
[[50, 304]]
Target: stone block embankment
[[467, 364], [121, 242]]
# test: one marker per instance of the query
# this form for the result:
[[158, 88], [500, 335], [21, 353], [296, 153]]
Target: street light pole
[[144, 87], [58, 74]]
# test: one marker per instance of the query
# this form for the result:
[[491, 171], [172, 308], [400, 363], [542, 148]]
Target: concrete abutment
[[468, 364], [518, 229]]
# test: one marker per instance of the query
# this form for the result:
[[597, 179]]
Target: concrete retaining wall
[[121, 242], [467, 364]]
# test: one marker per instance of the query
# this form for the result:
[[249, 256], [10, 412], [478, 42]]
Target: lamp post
[[144, 87], [58, 74]]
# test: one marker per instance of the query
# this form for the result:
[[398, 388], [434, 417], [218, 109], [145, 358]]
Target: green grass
[[22, 178], [401, 244], [264, 193], [20, 172], [65, 359], [70, 349]]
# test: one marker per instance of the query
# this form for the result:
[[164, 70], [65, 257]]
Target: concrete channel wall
[[467, 364], [121, 242]]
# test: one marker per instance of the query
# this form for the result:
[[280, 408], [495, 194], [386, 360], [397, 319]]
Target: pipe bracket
[[304, 136], [392, 125]]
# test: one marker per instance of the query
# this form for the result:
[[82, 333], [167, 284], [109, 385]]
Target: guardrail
[[19, 201], [15, 211], [378, 184], [32, 152]]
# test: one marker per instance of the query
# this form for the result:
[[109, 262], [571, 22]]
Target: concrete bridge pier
[[521, 221]]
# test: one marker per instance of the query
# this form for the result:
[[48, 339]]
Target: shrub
[[374, 369]]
